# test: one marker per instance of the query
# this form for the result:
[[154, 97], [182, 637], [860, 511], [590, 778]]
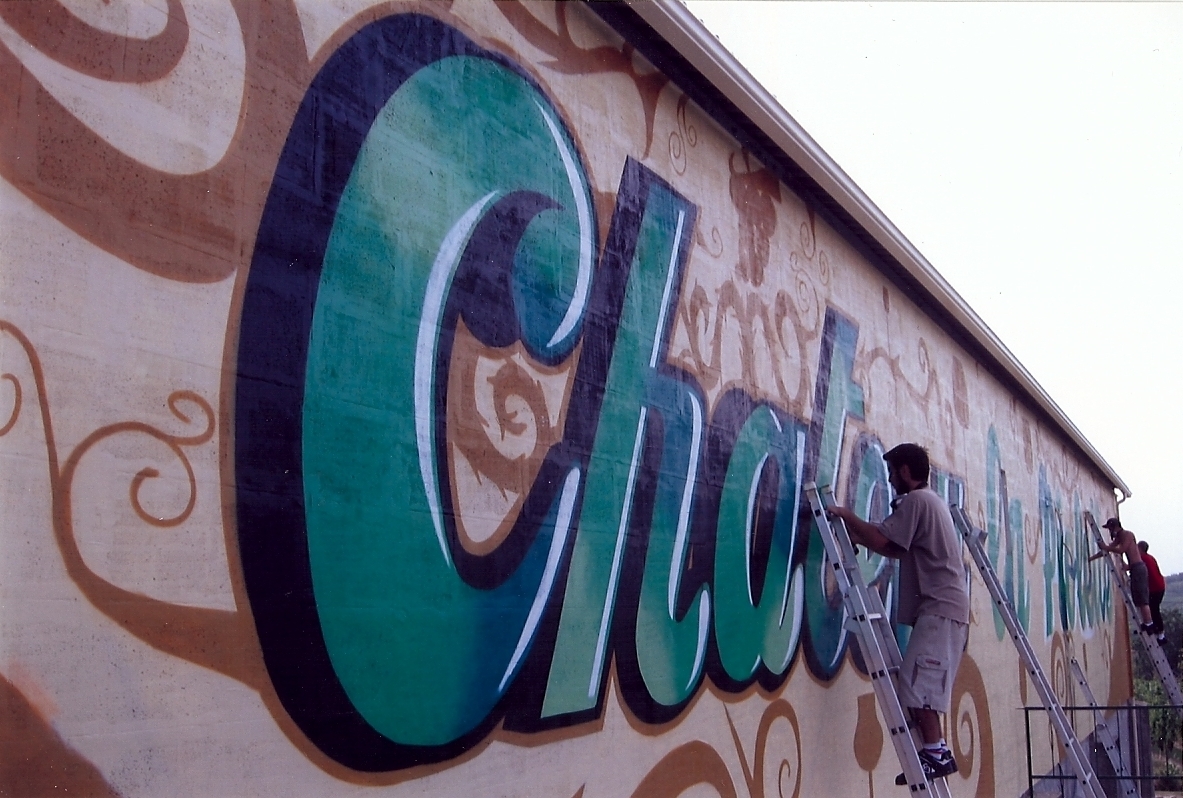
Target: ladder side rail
[[861, 603], [867, 617], [866, 602], [1022, 643], [1077, 756], [870, 602], [1166, 674], [895, 714], [1118, 574], [1030, 661], [843, 559], [1104, 734], [1018, 636]]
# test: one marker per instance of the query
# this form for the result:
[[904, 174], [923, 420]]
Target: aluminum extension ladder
[[1165, 674], [1077, 755], [1105, 735], [867, 617]]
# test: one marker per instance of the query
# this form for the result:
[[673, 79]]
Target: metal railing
[[1150, 741]]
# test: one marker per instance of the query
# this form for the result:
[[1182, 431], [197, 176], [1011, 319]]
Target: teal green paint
[[1080, 567], [1052, 537], [843, 397], [581, 646], [670, 652], [1070, 575], [1092, 580], [402, 629], [872, 475], [1076, 591], [1017, 543], [752, 629], [939, 482], [876, 569], [994, 548], [1005, 547]]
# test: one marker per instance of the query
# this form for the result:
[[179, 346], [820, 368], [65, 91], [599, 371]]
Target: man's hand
[[845, 513], [864, 532], [848, 516]]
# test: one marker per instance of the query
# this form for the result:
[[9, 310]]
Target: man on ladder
[[1124, 543], [932, 595]]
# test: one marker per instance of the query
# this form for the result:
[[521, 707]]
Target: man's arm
[[1122, 544], [1110, 548], [866, 534]]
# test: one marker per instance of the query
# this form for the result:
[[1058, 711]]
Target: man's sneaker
[[1148, 628], [1162, 638], [936, 764]]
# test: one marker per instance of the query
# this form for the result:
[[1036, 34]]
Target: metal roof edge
[[671, 20]]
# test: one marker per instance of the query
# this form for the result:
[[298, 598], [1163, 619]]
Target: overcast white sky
[[1033, 152]]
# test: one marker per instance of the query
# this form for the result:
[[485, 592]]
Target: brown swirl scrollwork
[[568, 58], [16, 402], [687, 766], [172, 442], [807, 237], [782, 328], [1061, 686], [922, 397], [779, 328], [1115, 658], [52, 29], [961, 397], [696, 762], [714, 247], [754, 776], [216, 639], [808, 307], [1032, 536], [970, 730], [500, 428], [190, 228], [682, 139]]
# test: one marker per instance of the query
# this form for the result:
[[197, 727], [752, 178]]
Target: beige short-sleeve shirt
[[932, 575]]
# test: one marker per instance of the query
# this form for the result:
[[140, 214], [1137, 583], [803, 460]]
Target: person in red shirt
[[1158, 588]]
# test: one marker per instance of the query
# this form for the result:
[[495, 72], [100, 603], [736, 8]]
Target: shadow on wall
[[36, 760]]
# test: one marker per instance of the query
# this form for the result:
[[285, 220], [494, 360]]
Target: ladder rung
[[867, 618], [974, 539], [1165, 673]]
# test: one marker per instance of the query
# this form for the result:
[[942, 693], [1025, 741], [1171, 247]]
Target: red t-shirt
[[1154, 578]]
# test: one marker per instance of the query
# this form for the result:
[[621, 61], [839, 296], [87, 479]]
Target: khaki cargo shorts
[[930, 663]]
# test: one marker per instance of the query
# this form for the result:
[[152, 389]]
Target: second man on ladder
[[932, 594], [1124, 543]]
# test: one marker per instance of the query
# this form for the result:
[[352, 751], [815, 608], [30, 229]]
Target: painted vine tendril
[[698, 763], [215, 639], [62, 479]]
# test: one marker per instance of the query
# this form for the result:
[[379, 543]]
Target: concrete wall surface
[[415, 399]]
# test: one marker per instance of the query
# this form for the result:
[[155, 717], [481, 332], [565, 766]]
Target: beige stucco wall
[[138, 151]]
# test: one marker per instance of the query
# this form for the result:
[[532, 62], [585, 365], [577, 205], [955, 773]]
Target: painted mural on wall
[[421, 395]]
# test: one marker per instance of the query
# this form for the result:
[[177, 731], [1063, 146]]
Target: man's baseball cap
[[1113, 523]]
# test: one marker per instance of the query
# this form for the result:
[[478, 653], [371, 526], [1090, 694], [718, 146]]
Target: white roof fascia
[[686, 34]]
